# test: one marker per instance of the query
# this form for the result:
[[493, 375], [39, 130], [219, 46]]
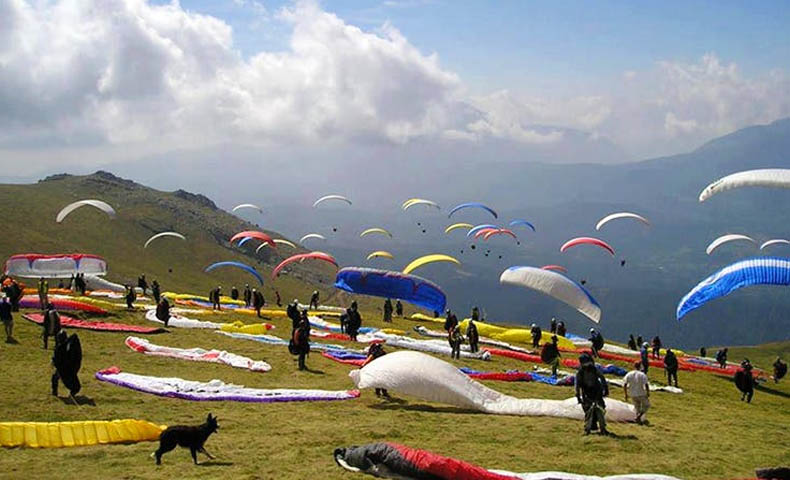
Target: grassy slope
[[693, 435]]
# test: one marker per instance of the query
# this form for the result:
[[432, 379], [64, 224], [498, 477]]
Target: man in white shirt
[[637, 386]]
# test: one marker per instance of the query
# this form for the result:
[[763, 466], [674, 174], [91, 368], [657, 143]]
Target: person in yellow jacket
[[43, 293]]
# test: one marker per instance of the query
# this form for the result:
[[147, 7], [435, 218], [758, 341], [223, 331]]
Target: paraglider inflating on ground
[[239, 265], [726, 239], [745, 273], [254, 234], [331, 197], [104, 207], [163, 234], [434, 380], [555, 285], [35, 265], [769, 177], [325, 257], [248, 205], [387, 284], [587, 241], [473, 205], [216, 390], [619, 215], [424, 260]]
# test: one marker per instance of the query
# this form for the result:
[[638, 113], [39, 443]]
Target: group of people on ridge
[[456, 338]]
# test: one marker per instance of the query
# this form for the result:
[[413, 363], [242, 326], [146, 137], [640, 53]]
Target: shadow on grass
[[211, 463], [395, 404], [314, 372], [12, 341], [81, 400]]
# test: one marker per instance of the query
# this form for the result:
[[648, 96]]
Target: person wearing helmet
[[314, 300], [744, 380], [536, 335], [596, 339], [353, 321], [643, 353], [293, 313], [591, 388], [450, 321], [234, 292], [247, 296], [214, 295]]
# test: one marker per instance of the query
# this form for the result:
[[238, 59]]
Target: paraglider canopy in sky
[[619, 215], [419, 201], [326, 198], [499, 231], [456, 226], [381, 253], [587, 241], [383, 283], [754, 271], [239, 265], [522, 222], [473, 205], [726, 239], [424, 260], [104, 207], [554, 285], [769, 177], [248, 205], [775, 241], [375, 230], [163, 234], [477, 228], [312, 235], [34, 265], [254, 234], [302, 257]]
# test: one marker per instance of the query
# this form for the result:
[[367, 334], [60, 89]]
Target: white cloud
[[135, 77]]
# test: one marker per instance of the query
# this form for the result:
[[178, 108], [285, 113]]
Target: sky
[[96, 83]]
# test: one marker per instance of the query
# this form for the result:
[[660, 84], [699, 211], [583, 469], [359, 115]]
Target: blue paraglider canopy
[[753, 271], [473, 205], [519, 221], [477, 228], [240, 265], [388, 284]]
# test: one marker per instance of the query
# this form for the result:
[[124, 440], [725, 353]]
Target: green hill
[[705, 433], [29, 213]]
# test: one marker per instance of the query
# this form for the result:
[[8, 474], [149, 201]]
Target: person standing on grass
[[293, 313], [456, 339], [632, 343], [636, 385], [537, 334], [7, 319], [591, 388], [561, 331], [43, 292], [156, 291], [398, 308], [671, 366], [473, 336], [142, 283], [131, 296], [51, 324], [301, 340], [450, 321], [375, 351], [214, 296], [475, 313], [656, 347], [314, 300], [247, 296], [353, 321], [234, 292], [387, 311], [644, 355], [257, 301], [780, 368], [551, 355], [721, 357], [553, 325]]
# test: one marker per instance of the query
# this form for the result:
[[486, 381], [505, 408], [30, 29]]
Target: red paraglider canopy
[[499, 231], [301, 257], [557, 268], [254, 234], [589, 241]]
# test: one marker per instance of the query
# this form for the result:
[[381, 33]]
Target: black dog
[[187, 437]]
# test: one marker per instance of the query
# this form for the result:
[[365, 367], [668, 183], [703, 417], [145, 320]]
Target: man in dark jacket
[[721, 357], [156, 291], [591, 388], [656, 347], [51, 325], [214, 296], [550, 354], [537, 334], [553, 325], [475, 313], [643, 355], [8, 320], [247, 296], [473, 336], [163, 311], [398, 308], [293, 313], [257, 301], [234, 292], [142, 283], [744, 380], [597, 342], [387, 311], [632, 343], [67, 360], [671, 366], [314, 300], [353, 321], [780, 367], [561, 331], [375, 351], [301, 340], [131, 296], [450, 321]]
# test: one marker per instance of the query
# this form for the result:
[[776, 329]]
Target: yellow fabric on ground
[[77, 434]]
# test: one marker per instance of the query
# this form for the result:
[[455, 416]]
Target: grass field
[[706, 433]]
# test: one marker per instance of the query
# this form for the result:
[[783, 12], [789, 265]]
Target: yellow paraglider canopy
[[375, 230], [457, 226], [381, 253], [436, 257]]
